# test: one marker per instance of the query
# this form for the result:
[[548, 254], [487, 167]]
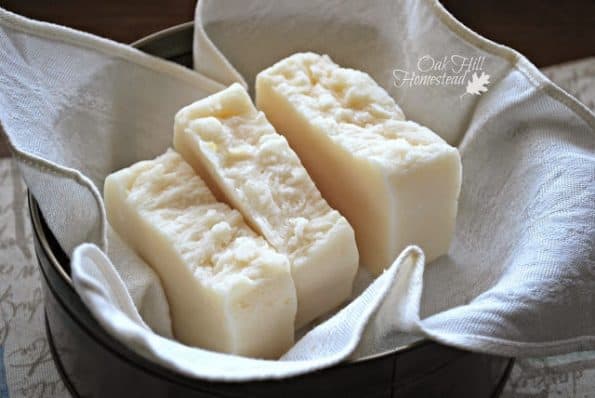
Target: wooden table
[[547, 32]]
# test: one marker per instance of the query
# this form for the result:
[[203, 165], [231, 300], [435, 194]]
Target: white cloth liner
[[520, 276]]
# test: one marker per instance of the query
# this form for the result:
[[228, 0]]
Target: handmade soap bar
[[252, 167], [228, 290], [396, 182]]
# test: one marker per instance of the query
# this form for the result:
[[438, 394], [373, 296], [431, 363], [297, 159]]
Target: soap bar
[[227, 289], [396, 182], [253, 168]]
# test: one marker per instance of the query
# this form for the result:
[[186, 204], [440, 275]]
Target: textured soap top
[[353, 110], [209, 236], [249, 154]]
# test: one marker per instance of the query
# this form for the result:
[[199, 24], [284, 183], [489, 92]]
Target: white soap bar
[[396, 182], [252, 167], [227, 289]]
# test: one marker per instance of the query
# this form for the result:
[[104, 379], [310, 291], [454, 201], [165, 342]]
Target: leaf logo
[[477, 84]]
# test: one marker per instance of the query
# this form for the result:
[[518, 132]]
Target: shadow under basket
[[93, 364]]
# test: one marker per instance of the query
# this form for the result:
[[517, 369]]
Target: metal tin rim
[[161, 33], [39, 230]]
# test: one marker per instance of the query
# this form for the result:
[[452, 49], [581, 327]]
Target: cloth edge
[[105, 46], [516, 59]]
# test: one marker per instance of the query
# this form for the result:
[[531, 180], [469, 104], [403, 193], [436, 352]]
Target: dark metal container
[[93, 364]]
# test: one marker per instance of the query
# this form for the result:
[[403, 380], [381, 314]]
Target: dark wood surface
[[547, 32], [120, 20]]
